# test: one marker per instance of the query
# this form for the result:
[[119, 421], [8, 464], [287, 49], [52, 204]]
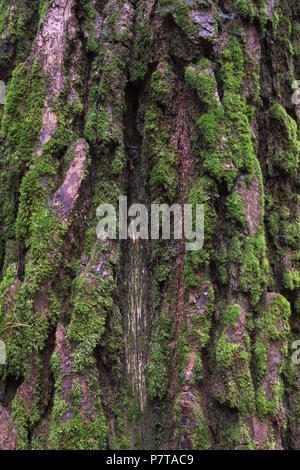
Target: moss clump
[[225, 352], [272, 326], [179, 9], [162, 83], [22, 119], [202, 191], [210, 124], [231, 315], [202, 78], [198, 434], [267, 406], [20, 418], [18, 26], [260, 352], [251, 10], [163, 159], [251, 271], [227, 148], [68, 430], [142, 47], [235, 208], [159, 359], [245, 8], [232, 356], [87, 13], [21, 124], [201, 324], [233, 360], [275, 322], [92, 301], [201, 437], [291, 279], [8, 279], [287, 159], [255, 267], [232, 67], [99, 127]]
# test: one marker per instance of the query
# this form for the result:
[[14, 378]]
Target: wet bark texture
[[143, 345]]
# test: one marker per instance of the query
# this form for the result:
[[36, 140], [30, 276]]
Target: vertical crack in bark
[[181, 141], [135, 252]]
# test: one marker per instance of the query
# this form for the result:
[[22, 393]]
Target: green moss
[[251, 10], [198, 434], [182, 13], [163, 159], [201, 437], [238, 386], [232, 68], [91, 303], [133, 408], [8, 279], [235, 208], [275, 22], [233, 356], [87, 13], [236, 435], [260, 351], [274, 223], [35, 226], [38, 231], [201, 324], [287, 159], [201, 77], [240, 393], [231, 315], [227, 149], [142, 47], [68, 431], [21, 124], [255, 267], [43, 8], [19, 416], [291, 279], [180, 9], [245, 8], [275, 322], [75, 435], [202, 191], [210, 125], [298, 408], [248, 255], [268, 406], [18, 26], [98, 128], [284, 27], [272, 325], [225, 352], [161, 81], [22, 118], [157, 384]]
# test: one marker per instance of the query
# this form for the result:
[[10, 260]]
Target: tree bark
[[144, 345]]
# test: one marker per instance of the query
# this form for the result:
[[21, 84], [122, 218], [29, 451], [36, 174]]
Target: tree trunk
[[123, 344]]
